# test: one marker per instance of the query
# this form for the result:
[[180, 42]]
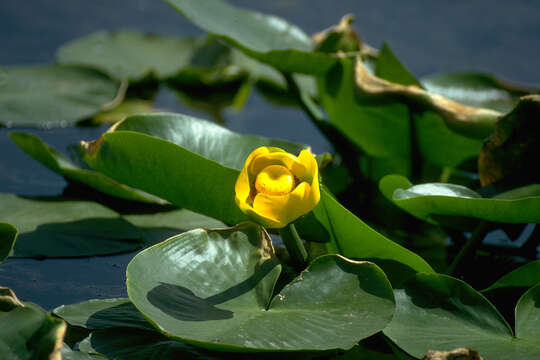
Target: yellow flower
[[275, 187]]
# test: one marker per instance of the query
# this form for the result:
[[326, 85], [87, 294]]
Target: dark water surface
[[499, 37]]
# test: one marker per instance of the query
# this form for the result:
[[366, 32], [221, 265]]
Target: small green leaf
[[53, 95], [214, 289], [130, 54], [435, 201], [61, 227], [525, 276], [8, 234], [28, 332], [266, 38], [438, 312], [37, 149]]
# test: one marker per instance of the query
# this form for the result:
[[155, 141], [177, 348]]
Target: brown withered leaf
[[456, 354], [509, 157]]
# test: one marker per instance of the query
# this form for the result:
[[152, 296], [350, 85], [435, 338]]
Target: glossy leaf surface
[[53, 95], [439, 312], [214, 289]]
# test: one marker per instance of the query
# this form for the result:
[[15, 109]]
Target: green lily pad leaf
[[130, 54], [525, 276], [122, 111], [432, 201], [266, 38], [61, 227], [53, 95], [68, 354], [213, 288], [52, 159], [353, 238], [475, 89], [8, 234], [103, 314], [438, 312], [28, 332]]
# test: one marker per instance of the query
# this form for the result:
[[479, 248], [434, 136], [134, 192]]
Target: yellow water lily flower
[[275, 187]]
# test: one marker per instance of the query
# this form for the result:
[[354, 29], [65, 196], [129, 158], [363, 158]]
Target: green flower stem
[[295, 247]]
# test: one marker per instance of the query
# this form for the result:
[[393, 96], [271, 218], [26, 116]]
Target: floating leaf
[[439, 312], [510, 154], [432, 201], [53, 95], [28, 332], [37, 149], [8, 234], [61, 227], [68, 354], [123, 110], [213, 288], [267, 38], [525, 276], [130, 54], [475, 89]]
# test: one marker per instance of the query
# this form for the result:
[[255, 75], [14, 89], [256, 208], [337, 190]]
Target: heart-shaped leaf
[[130, 54], [267, 38], [53, 95], [37, 149], [438, 312], [431, 201], [8, 234], [61, 227], [525, 276], [214, 288]]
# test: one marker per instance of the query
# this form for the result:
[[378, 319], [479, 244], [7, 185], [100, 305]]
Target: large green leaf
[[37, 149], [68, 354], [213, 288], [525, 276], [267, 38], [53, 95], [475, 89], [438, 312], [432, 201], [130, 54], [205, 138], [8, 234], [28, 332], [207, 187], [63, 227], [351, 237]]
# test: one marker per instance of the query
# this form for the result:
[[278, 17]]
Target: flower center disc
[[274, 180]]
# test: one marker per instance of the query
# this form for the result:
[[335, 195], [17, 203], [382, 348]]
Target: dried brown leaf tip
[[456, 354], [340, 38], [8, 299], [509, 156]]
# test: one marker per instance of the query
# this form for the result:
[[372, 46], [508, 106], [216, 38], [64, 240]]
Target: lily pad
[[28, 332], [53, 95], [438, 312], [52, 159], [8, 234], [130, 54], [432, 201], [525, 276], [62, 227], [267, 38], [213, 288]]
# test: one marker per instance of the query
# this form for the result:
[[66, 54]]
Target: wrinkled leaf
[[8, 234], [62, 227], [53, 95], [213, 288], [52, 159], [267, 38], [130, 54], [475, 89], [525, 276], [510, 154], [28, 332], [439, 312], [432, 201]]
